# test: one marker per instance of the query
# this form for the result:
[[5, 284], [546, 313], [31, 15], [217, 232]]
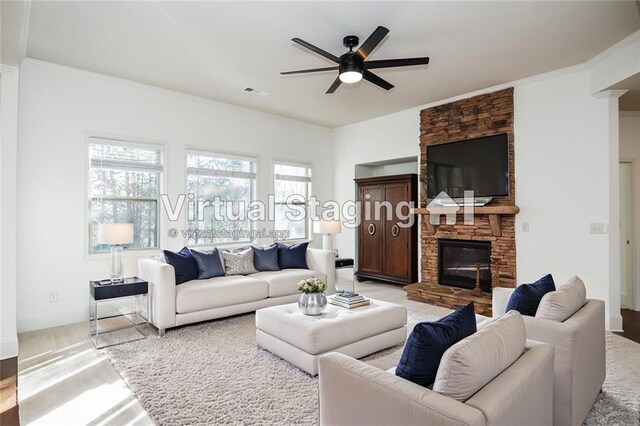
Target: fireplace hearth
[[461, 263]]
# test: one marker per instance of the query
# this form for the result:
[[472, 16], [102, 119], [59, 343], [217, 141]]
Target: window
[[124, 186], [219, 189], [292, 184]]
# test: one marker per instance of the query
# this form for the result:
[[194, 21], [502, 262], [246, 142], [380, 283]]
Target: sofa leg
[[161, 332]]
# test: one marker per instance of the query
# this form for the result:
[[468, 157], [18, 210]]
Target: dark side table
[[118, 312]]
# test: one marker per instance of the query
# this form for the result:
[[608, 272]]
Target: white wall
[[562, 173], [9, 85], [388, 137], [58, 107], [630, 152], [562, 181]]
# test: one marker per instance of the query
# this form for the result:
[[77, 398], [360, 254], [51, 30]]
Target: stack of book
[[349, 300]]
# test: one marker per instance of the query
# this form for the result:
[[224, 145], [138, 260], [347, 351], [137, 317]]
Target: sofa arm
[[355, 393], [162, 292], [500, 299], [323, 261]]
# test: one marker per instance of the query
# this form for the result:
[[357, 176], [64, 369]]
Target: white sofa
[[202, 300]]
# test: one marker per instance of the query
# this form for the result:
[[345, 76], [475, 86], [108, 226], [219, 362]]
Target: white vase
[[312, 303]]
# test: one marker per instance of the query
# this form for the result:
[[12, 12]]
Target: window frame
[[97, 139], [309, 167], [232, 174]]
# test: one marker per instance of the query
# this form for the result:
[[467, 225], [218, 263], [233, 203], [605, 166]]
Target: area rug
[[213, 373]]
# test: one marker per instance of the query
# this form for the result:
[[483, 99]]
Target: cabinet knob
[[371, 229], [395, 230]]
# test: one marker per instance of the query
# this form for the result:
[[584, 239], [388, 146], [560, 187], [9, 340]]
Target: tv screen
[[480, 165]]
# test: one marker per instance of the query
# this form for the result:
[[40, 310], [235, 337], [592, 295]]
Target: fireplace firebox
[[459, 262]]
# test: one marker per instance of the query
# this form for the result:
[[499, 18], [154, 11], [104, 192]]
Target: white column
[[9, 83], [611, 97]]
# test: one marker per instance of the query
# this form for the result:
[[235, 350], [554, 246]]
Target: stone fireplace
[[493, 226], [464, 264]]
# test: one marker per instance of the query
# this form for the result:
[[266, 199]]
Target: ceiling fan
[[352, 66]]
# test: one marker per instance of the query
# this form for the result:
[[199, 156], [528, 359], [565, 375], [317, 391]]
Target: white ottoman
[[301, 339]]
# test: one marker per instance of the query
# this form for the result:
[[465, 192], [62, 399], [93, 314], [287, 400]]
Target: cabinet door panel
[[371, 231], [396, 238]]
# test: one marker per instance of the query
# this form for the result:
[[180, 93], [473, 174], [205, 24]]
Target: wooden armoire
[[386, 251]]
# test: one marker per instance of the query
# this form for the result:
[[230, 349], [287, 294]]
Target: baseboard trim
[[40, 322], [615, 323], [9, 347]]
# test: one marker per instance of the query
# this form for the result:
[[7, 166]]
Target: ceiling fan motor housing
[[350, 62]]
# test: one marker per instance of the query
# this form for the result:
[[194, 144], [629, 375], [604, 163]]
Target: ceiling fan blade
[[371, 77], [334, 86], [374, 39], [310, 70], [316, 49], [390, 63]]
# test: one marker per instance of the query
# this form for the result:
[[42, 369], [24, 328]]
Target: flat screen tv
[[480, 165]]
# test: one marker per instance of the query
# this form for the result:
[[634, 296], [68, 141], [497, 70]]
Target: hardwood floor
[[630, 324], [63, 379]]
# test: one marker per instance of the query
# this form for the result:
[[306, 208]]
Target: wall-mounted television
[[480, 165]]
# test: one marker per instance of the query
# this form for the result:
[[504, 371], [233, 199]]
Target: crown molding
[[610, 94]]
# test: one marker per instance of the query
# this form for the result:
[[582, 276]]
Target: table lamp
[[116, 234], [328, 228]]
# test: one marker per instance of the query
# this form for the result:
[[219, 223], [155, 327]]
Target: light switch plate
[[596, 228], [525, 226]]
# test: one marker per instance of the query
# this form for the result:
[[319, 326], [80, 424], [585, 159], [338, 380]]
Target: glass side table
[[118, 312]]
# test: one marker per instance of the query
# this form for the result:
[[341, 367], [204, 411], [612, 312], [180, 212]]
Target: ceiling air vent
[[258, 92]]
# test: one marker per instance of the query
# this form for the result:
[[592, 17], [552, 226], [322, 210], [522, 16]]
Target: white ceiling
[[216, 49]]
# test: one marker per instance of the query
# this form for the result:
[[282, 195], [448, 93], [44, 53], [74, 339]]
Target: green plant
[[312, 285]]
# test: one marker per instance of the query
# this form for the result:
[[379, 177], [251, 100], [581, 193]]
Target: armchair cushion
[[560, 305], [429, 341], [526, 298], [470, 364]]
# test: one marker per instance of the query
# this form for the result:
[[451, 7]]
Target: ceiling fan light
[[350, 77]]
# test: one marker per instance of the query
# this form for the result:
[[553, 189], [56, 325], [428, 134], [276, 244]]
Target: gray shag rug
[[213, 373]]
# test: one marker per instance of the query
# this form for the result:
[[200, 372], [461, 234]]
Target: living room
[[186, 85]]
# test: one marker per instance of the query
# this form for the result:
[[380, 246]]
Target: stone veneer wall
[[482, 115]]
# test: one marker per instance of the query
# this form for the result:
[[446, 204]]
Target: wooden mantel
[[495, 214]]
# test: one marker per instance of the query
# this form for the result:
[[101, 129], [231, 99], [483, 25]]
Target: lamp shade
[[327, 227], [115, 233]]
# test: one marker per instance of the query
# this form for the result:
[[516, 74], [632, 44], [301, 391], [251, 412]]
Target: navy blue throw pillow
[[526, 297], [293, 256], [430, 340], [183, 263], [266, 258], [209, 264]]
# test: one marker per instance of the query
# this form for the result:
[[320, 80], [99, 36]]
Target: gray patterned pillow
[[239, 262]]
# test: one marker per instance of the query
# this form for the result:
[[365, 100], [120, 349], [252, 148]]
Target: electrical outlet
[[53, 296], [596, 228], [525, 226]]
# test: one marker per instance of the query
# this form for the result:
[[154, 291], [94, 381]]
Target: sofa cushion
[[285, 282], [526, 297], [209, 264], [561, 304], [428, 342], [238, 262], [184, 265], [217, 292], [473, 362], [266, 258], [294, 256]]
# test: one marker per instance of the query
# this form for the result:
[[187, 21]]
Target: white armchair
[[579, 342]]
